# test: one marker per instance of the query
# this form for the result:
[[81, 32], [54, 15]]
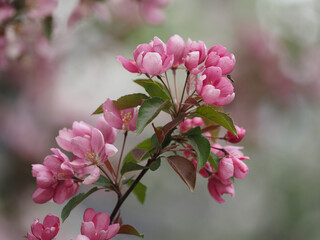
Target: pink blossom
[[95, 226], [177, 47], [188, 124], [217, 188], [86, 9], [230, 137], [237, 156], [6, 12], [81, 129], [151, 58], [151, 11], [125, 119], [218, 56], [3, 55], [213, 88], [89, 151], [39, 9], [46, 231], [196, 54], [54, 179]]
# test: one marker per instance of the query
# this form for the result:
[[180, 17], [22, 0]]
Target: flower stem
[[184, 89], [127, 193], [176, 88], [120, 159]]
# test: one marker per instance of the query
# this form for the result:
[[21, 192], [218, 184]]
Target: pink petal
[[31, 237], [45, 179], [37, 228], [101, 221], [82, 237], [113, 230], [225, 168], [51, 220], [227, 63], [42, 195], [88, 215], [192, 60], [110, 150], [97, 141], [88, 229], [240, 169], [214, 192], [64, 139], [167, 63], [152, 63], [109, 133], [176, 46], [129, 65], [93, 177], [210, 94], [80, 146]]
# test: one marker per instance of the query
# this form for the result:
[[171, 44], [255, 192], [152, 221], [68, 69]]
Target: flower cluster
[[188, 141], [228, 160], [208, 67], [95, 226], [150, 10]]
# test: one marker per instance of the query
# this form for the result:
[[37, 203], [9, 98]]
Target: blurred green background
[[277, 47]]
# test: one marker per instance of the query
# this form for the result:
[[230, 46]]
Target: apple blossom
[[151, 58], [54, 179], [218, 56], [46, 230], [125, 119], [230, 137], [96, 226], [213, 88]]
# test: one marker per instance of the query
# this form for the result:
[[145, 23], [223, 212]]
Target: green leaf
[[103, 182], [153, 88], [74, 202], [193, 131], [131, 166], [129, 230], [139, 191], [185, 169], [48, 27], [202, 147], [214, 160], [218, 117], [99, 110], [146, 145], [149, 109], [155, 165], [129, 101]]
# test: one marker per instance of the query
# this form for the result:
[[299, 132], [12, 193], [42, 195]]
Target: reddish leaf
[[129, 230], [159, 133], [185, 170], [138, 153]]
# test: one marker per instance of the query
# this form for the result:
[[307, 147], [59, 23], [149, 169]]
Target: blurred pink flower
[[95, 226], [151, 11], [6, 12], [46, 231], [39, 9], [87, 8]]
